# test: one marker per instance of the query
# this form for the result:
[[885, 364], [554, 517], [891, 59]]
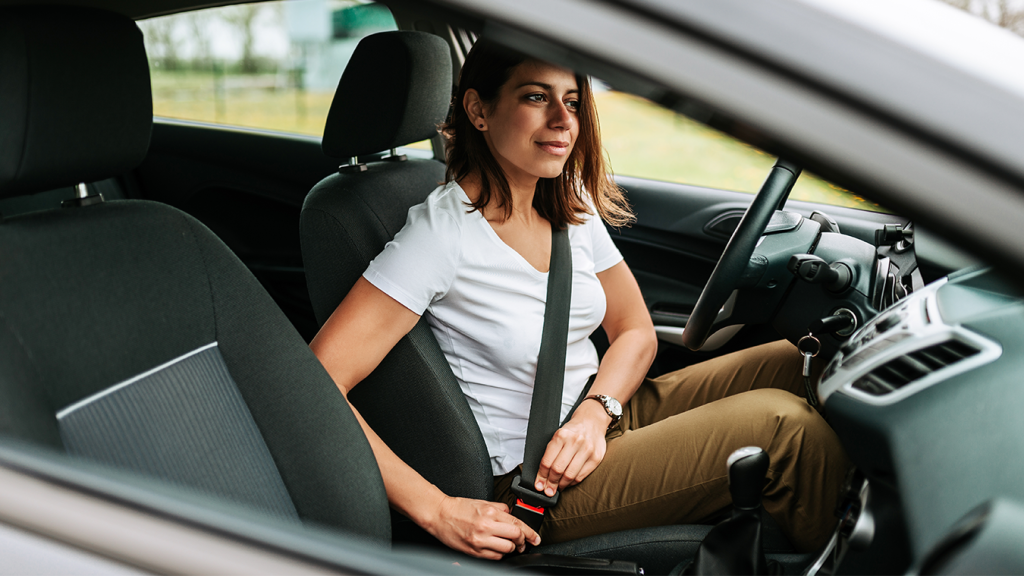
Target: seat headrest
[[75, 97], [395, 91]]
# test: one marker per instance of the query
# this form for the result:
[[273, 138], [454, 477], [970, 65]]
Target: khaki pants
[[665, 462]]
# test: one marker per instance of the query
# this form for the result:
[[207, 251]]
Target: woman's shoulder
[[448, 197], [442, 207]]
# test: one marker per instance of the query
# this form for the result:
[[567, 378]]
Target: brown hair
[[560, 200]]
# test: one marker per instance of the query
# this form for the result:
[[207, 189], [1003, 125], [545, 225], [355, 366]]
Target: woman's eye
[[535, 97], [573, 105]]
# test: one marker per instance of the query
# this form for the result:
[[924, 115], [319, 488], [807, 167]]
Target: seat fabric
[[97, 300]]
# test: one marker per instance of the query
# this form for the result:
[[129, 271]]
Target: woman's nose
[[561, 116]]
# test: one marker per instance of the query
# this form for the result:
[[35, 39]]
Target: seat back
[[129, 333], [401, 81]]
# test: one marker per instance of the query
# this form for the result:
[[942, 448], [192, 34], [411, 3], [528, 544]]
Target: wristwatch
[[611, 406]]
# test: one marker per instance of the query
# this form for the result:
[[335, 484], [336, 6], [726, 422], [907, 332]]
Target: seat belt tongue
[[531, 505]]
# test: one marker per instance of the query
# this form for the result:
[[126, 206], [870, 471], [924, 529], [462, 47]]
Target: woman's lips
[[556, 147]]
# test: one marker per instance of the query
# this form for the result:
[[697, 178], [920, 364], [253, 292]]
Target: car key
[[809, 346]]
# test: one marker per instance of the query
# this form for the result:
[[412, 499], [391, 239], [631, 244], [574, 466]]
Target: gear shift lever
[[734, 546], [747, 469]]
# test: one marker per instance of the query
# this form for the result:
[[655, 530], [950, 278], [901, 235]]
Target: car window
[[270, 65], [645, 140]]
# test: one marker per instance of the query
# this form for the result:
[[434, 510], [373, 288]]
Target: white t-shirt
[[486, 309]]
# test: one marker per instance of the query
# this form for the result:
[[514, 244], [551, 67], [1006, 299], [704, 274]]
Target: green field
[[641, 138]]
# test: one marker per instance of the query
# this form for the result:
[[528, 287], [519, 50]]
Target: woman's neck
[[522, 191]]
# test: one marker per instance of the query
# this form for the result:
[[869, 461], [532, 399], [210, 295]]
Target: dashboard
[[905, 349], [928, 400]]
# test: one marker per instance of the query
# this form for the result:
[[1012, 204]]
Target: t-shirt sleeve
[[419, 265], [606, 254]]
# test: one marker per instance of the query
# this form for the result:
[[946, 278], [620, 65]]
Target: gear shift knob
[[747, 469]]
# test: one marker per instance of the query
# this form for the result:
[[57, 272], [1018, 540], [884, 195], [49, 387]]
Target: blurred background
[[275, 66]]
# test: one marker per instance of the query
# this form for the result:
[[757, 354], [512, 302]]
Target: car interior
[[160, 280]]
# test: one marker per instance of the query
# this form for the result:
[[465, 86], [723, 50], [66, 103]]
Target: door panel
[[675, 244]]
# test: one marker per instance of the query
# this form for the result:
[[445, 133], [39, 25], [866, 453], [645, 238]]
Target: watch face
[[613, 406]]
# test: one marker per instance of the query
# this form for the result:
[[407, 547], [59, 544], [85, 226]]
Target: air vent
[[899, 372]]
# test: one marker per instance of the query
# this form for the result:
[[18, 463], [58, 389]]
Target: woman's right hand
[[480, 528]]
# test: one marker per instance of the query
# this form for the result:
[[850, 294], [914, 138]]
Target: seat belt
[[546, 404]]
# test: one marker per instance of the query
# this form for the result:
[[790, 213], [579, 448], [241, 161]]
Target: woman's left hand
[[575, 450]]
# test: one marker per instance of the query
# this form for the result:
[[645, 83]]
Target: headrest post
[[395, 156], [82, 197], [353, 166]]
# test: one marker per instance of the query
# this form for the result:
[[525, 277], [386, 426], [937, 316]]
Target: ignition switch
[[814, 270]]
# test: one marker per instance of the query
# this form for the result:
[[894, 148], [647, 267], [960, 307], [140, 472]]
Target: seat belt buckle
[[531, 506]]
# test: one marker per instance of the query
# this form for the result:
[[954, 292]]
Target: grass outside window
[[642, 139]]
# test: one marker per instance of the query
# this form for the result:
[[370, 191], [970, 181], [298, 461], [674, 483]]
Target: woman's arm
[[577, 448], [353, 341]]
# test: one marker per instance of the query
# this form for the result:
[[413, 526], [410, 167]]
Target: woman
[[525, 154]]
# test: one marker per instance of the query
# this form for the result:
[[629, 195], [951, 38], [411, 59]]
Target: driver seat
[[412, 400]]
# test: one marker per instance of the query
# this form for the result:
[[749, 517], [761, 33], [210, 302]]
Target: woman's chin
[[551, 170]]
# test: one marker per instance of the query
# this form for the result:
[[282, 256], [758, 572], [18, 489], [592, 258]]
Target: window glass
[[270, 65], [648, 141]]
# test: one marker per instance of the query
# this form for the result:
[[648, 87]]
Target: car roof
[[943, 32]]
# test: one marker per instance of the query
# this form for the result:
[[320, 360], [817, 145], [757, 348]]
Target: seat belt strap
[[546, 404]]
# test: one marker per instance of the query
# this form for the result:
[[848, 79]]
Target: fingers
[[580, 468], [573, 470], [589, 467], [529, 534], [486, 530], [546, 461], [512, 534], [559, 453], [568, 462], [569, 453], [506, 535], [491, 548]]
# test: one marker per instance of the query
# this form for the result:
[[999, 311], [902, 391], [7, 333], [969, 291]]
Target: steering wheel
[[733, 263]]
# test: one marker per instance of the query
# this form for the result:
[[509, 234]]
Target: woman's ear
[[474, 108]]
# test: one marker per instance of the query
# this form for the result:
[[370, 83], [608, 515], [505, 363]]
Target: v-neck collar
[[489, 230]]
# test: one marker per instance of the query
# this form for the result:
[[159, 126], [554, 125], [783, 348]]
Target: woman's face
[[532, 126]]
